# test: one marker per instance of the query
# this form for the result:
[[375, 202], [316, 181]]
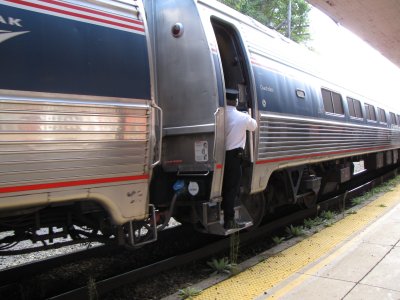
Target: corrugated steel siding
[[52, 141], [283, 136]]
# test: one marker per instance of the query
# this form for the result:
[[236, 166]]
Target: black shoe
[[233, 224]]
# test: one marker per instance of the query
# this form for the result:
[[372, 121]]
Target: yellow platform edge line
[[267, 274]]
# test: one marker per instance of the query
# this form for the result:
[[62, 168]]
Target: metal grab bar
[[193, 174], [216, 115], [251, 141], [160, 140]]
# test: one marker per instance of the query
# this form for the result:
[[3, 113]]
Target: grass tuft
[[327, 215], [310, 223], [188, 293], [277, 240], [220, 266], [295, 230]]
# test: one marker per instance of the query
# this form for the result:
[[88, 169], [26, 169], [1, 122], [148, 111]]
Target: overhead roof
[[377, 22]]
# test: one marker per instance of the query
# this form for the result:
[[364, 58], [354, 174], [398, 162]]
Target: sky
[[375, 75]]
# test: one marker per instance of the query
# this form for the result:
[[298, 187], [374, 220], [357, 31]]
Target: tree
[[274, 14]]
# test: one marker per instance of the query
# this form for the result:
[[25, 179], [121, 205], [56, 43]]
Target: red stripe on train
[[288, 158], [53, 185], [92, 11], [69, 13]]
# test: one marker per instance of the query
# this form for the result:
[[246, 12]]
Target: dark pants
[[231, 183]]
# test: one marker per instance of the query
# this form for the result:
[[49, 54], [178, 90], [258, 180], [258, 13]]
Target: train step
[[213, 219]]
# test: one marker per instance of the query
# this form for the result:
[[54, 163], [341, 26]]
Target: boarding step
[[213, 218]]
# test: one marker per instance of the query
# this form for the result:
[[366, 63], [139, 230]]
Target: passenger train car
[[112, 119]]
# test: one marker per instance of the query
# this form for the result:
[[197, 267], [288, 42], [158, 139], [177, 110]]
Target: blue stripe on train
[[66, 56]]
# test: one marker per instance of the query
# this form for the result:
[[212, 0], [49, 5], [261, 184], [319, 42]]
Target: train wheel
[[255, 205]]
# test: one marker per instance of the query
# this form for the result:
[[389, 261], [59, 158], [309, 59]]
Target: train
[[112, 120]]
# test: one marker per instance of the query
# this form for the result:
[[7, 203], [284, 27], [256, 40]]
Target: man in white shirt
[[236, 124]]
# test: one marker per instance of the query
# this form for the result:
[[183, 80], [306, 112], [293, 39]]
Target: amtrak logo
[[5, 35], [10, 21]]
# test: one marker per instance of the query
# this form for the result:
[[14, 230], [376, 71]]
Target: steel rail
[[112, 283], [12, 275], [246, 238]]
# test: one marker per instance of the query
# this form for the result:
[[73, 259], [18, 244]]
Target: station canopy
[[377, 22]]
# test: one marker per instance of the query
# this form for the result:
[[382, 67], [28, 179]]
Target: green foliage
[[383, 188], [234, 247], [274, 14], [294, 230], [222, 266], [188, 293], [277, 240], [310, 223], [327, 215], [357, 201]]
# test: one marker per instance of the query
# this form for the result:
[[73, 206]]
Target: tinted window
[[352, 112], [354, 108], [332, 102], [337, 103], [393, 118], [328, 105], [357, 108], [370, 111], [382, 115]]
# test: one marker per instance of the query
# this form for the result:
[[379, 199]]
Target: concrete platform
[[356, 258]]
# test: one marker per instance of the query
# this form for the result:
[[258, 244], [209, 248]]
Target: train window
[[357, 107], [337, 103], [326, 96], [382, 115], [300, 93], [350, 104], [370, 111], [332, 102], [398, 120], [354, 107], [393, 118]]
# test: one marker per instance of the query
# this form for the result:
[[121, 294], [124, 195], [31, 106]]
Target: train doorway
[[233, 62], [235, 71]]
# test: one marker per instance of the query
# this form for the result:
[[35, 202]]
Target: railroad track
[[337, 202], [11, 275]]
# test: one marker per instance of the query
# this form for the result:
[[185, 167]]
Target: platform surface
[[358, 257]]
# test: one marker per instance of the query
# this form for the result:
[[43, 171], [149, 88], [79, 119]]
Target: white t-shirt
[[236, 124]]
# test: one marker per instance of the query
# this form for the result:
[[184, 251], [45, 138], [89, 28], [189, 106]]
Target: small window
[[326, 96], [300, 93], [393, 118], [350, 104], [398, 120], [354, 107], [370, 111], [332, 102], [337, 103], [381, 115], [357, 107]]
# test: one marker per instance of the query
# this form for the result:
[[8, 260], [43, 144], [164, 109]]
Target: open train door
[[235, 71]]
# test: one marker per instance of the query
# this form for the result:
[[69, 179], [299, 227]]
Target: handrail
[[251, 141], [217, 112], [193, 174], [160, 140]]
